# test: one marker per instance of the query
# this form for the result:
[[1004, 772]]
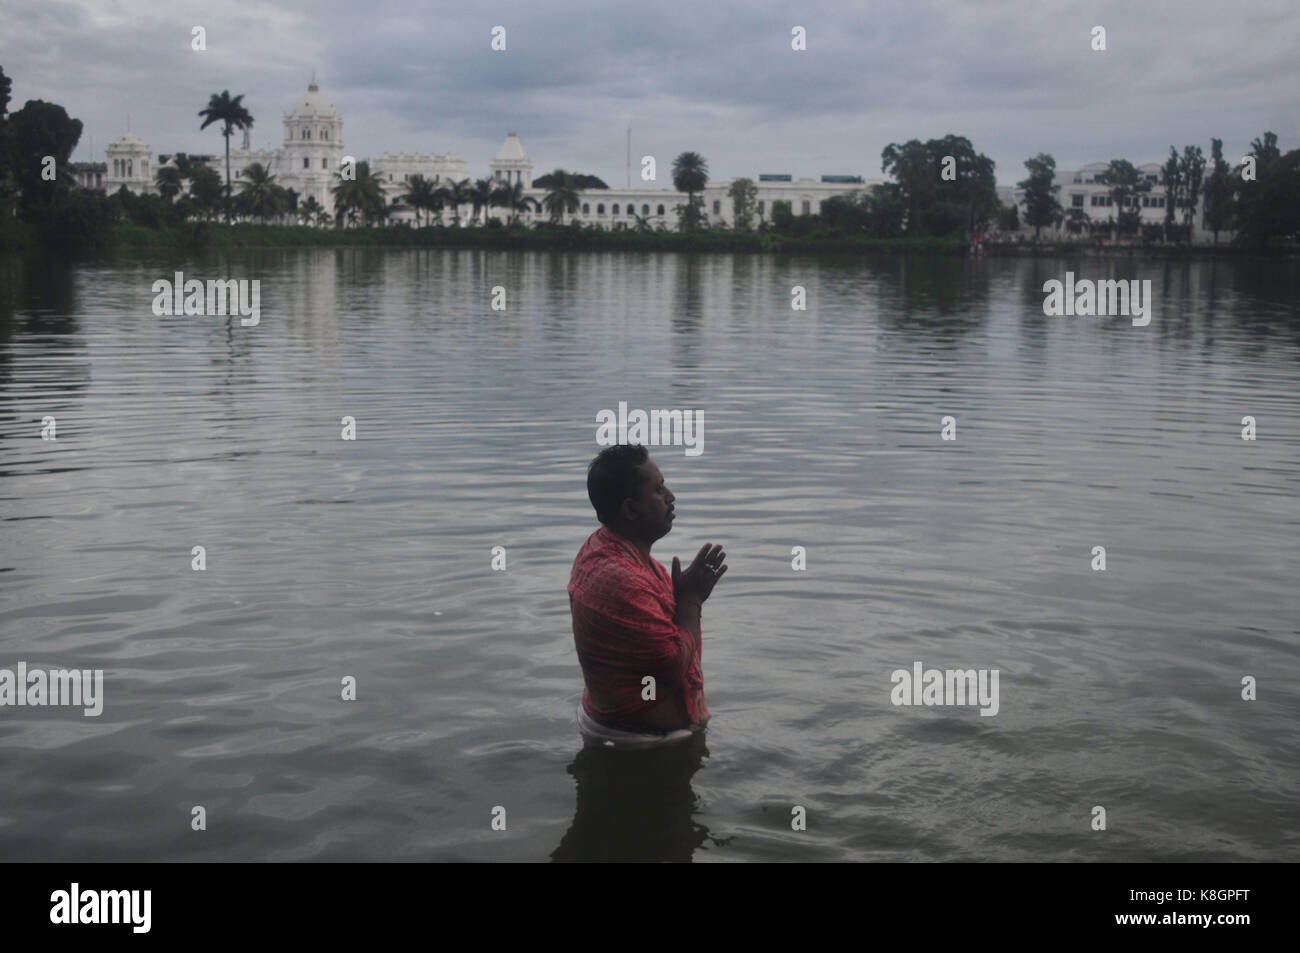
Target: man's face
[[654, 505]]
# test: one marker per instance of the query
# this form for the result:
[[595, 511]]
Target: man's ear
[[628, 510]]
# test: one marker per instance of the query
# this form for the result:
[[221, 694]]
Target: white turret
[[511, 164]]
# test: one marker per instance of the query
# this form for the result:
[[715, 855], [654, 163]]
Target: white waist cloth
[[596, 733]]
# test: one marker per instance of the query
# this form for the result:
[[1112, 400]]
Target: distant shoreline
[[200, 236]]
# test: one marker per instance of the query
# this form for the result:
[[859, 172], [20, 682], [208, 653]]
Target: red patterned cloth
[[623, 606]]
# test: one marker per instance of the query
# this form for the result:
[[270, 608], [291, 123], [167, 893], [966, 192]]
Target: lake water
[[371, 558]]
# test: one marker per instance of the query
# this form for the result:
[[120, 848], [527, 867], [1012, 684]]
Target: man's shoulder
[[603, 555], [607, 564]]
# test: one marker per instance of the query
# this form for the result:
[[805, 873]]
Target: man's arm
[[693, 587]]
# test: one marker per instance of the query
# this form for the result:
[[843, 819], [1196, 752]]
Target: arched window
[[586, 208], [615, 208], [306, 162], [130, 166], [717, 207], [324, 163], [645, 209], [660, 210], [631, 210], [600, 208]]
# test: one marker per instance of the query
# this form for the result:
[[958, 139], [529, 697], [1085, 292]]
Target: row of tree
[[940, 188], [1259, 200], [943, 188]]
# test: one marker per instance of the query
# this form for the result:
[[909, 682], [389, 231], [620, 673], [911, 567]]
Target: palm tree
[[419, 195], [205, 190], [232, 113], [184, 164], [309, 212], [261, 196], [481, 195], [455, 194], [1076, 220], [512, 199], [359, 196], [642, 223], [562, 197], [690, 174], [170, 182]]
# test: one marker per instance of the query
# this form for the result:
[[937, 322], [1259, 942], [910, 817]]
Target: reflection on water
[[635, 805], [474, 428]]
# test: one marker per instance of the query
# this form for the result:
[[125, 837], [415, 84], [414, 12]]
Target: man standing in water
[[632, 622]]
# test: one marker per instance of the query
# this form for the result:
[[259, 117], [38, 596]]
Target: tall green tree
[[419, 195], [1218, 192], [1125, 184], [511, 197], [1191, 169], [1268, 207], [184, 164], [690, 175], [1009, 218], [480, 197], [887, 206], [232, 115], [258, 189], [6, 178], [37, 130], [1041, 205], [947, 185], [744, 198], [206, 191], [360, 198], [1172, 178], [170, 182], [563, 196], [916, 175], [455, 194], [846, 214], [309, 212]]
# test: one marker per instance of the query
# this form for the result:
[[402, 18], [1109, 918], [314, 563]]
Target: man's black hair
[[613, 477]]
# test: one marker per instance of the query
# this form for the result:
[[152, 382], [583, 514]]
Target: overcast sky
[[719, 78]]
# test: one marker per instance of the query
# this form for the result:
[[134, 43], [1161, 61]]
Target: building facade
[[312, 151], [1085, 191], [89, 175], [396, 169], [128, 165], [306, 160]]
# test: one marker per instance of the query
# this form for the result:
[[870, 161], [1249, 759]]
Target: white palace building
[[312, 151]]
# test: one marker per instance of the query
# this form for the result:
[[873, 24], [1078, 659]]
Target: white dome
[[511, 149], [129, 140], [312, 105]]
